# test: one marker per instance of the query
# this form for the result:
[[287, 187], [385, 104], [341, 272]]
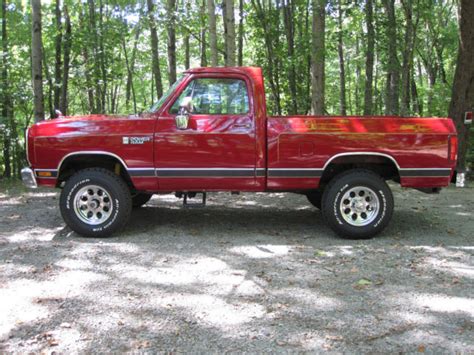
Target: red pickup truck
[[211, 132]]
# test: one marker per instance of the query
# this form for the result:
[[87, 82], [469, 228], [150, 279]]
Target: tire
[[315, 198], [357, 204], [95, 203], [139, 199]]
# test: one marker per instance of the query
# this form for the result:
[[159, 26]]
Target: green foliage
[[119, 21]]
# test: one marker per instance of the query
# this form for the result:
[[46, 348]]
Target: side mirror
[[185, 108]]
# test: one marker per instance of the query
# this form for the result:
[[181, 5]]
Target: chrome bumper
[[28, 177]]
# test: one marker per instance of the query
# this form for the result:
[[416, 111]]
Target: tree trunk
[[369, 62], [240, 51], [63, 103], [290, 39], [392, 105], [5, 89], [272, 59], [203, 34], [407, 67], [170, 10], [318, 55], [463, 86], [37, 60], [230, 33], [211, 14], [130, 64], [342, 69], [57, 62], [154, 50]]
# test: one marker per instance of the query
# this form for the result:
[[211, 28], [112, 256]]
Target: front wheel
[[95, 203], [357, 204]]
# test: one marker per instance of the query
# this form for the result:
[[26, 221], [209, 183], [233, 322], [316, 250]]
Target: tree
[[154, 50], [288, 9], [5, 103], [369, 61], [170, 10], [392, 102], [63, 102], [342, 68], [58, 48], [229, 21], [318, 56], [211, 15], [37, 60], [240, 53], [462, 98]]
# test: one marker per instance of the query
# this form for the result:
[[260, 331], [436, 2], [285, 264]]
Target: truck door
[[217, 150]]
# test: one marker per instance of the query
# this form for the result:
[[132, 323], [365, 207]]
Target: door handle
[[243, 125]]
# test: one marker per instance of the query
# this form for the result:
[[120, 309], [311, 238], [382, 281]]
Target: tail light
[[453, 148]]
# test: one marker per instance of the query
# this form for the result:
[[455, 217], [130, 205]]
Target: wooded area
[[354, 57]]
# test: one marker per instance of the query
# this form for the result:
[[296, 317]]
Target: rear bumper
[[28, 177]]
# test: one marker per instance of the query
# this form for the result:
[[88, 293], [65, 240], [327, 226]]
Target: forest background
[[325, 57]]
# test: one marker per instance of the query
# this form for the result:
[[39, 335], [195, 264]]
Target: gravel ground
[[255, 273]]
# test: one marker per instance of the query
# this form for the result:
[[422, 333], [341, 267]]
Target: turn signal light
[[44, 174]]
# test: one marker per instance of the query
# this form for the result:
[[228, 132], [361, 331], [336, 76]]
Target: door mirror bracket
[[185, 108]]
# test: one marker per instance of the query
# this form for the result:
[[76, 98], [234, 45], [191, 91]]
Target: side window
[[216, 97]]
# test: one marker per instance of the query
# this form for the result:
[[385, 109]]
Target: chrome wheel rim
[[359, 206], [93, 205]]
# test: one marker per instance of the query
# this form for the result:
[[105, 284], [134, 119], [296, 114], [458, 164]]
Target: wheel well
[[74, 163], [381, 165]]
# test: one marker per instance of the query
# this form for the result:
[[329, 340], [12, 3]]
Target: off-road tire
[[120, 201], [344, 183], [139, 199]]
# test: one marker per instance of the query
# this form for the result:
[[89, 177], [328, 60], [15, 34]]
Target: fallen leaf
[[320, 253], [364, 282], [421, 348]]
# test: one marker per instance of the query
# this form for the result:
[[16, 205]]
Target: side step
[[191, 195]]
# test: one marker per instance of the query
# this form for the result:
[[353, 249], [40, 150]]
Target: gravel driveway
[[255, 272]]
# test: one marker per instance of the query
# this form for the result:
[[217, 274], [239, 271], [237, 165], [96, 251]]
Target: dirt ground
[[255, 272]]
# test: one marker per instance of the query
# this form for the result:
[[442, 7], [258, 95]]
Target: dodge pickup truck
[[211, 132]]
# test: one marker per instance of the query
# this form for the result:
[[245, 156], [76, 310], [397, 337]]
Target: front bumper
[[28, 177]]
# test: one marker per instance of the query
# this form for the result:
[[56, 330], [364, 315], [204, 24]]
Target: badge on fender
[[135, 140]]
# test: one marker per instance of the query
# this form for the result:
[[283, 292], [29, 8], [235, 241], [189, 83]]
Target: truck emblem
[[135, 140]]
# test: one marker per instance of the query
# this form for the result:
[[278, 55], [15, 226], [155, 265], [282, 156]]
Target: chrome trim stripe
[[295, 173], [361, 153], [425, 173], [204, 172], [91, 152], [141, 172]]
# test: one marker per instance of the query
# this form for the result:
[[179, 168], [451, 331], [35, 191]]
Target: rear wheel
[[95, 203], [357, 204]]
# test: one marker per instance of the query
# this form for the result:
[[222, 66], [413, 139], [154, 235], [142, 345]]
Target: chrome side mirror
[[185, 108]]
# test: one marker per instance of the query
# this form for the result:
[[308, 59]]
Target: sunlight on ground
[[262, 251], [38, 233], [21, 300], [441, 303]]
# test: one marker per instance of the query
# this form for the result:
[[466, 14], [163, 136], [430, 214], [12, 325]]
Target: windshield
[[163, 98]]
